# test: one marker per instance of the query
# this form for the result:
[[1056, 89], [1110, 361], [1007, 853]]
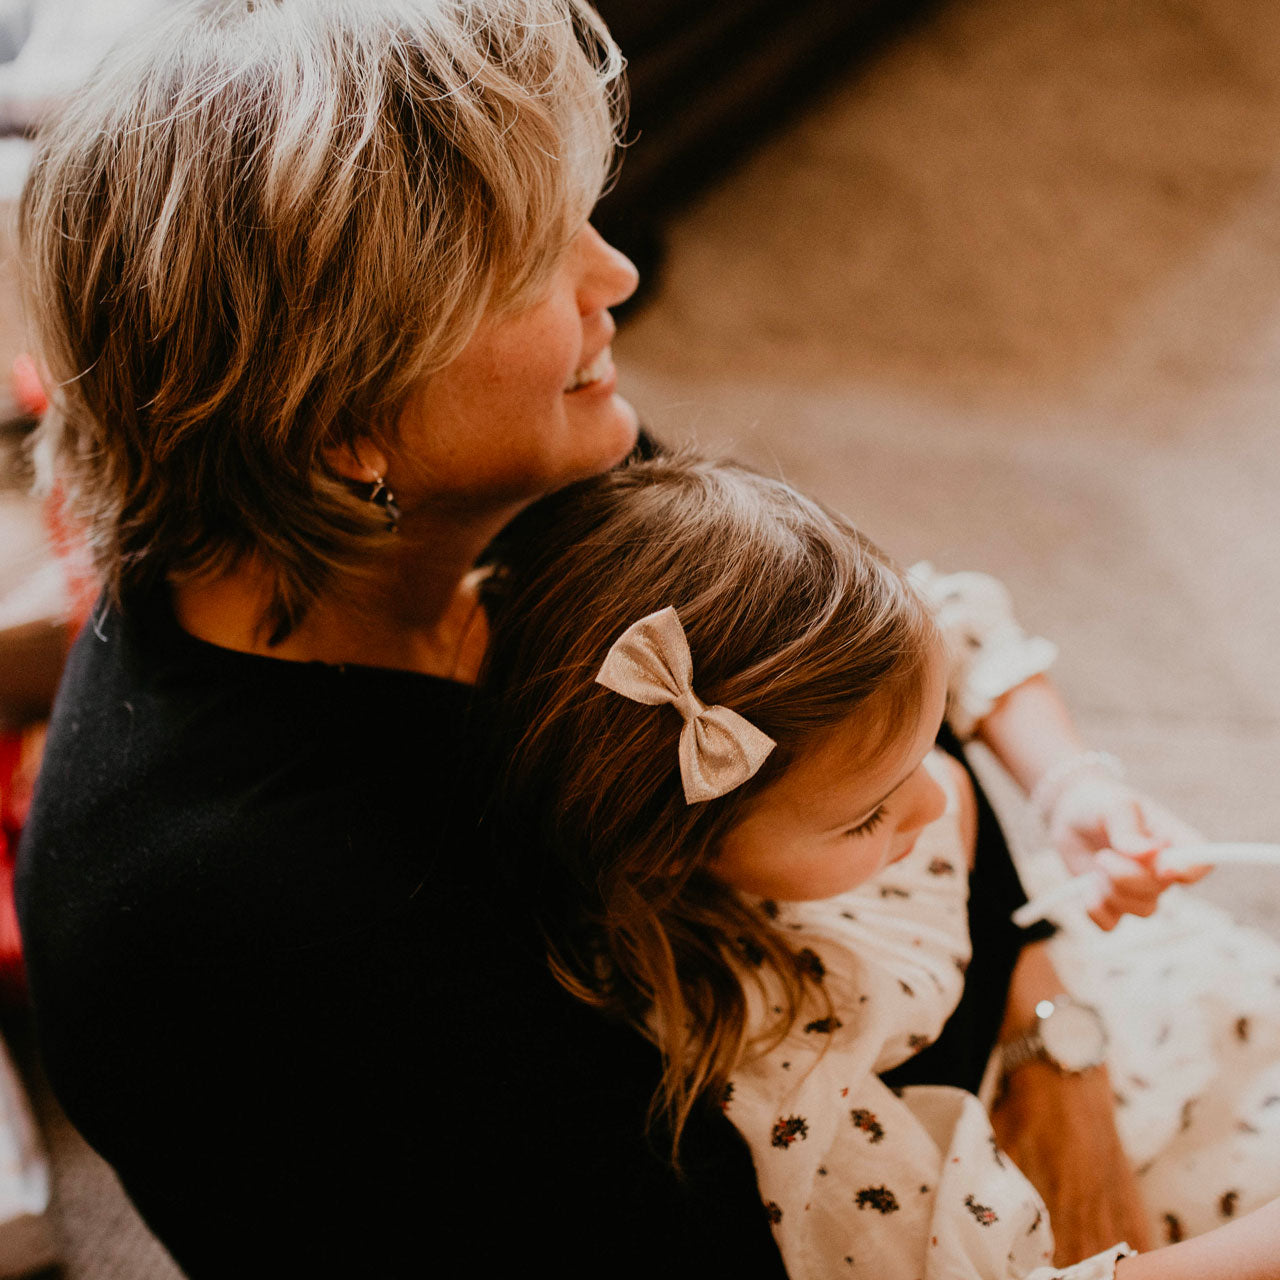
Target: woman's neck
[[416, 609]]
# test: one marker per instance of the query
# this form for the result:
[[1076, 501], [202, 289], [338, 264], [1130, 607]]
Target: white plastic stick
[[1179, 858]]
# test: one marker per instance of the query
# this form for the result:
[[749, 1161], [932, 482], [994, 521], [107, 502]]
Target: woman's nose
[[608, 277]]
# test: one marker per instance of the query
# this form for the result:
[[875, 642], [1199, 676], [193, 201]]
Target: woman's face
[[530, 403]]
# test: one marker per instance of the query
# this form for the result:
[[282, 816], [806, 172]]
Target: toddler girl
[[718, 704]]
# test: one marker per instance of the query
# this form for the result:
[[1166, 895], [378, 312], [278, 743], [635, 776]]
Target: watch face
[[1074, 1037]]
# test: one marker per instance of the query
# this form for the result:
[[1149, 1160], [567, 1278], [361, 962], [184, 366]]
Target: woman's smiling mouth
[[596, 371]]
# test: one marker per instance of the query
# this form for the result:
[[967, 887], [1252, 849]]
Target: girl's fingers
[[1128, 832], [1104, 916], [1133, 887]]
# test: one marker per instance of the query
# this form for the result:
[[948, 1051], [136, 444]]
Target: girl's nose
[[608, 277], [926, 799]]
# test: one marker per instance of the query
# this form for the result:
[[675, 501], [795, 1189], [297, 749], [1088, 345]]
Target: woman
[[321, 312]]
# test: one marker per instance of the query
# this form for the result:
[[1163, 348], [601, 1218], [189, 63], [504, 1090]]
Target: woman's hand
[[1060, 1131], [1100, 823]]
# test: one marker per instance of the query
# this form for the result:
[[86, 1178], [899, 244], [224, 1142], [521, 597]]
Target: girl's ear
[[362, 462]]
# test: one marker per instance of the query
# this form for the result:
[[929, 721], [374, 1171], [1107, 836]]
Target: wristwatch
[[1068, 1034]]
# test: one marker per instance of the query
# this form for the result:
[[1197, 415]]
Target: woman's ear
[[362, 462]]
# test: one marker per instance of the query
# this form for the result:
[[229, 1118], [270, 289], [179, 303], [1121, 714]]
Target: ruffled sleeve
[[988, 652]]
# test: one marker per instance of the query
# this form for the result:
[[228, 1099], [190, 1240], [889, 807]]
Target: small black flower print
[[726, 1097], [892, 891], [752, 950], [848, 915], [810, 962], [984, 1216], [770, 908], [867, 1122], [1035, 1225], [787, 1130], [1227, 1204], [824, 1026], [941, 867], [881, 1199], [1242, 1030], [996, 1153], [924, 1188], [822, 1171], [917, 1041], [1172, 1228], [906, 988], [773, 1212]]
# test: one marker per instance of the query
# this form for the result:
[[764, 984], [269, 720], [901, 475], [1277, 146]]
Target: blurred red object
[[28, 390], [20, 752], [21, 749]]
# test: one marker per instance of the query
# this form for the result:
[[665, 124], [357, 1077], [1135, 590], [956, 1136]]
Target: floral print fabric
[[1191, 1001], [858, 1180]]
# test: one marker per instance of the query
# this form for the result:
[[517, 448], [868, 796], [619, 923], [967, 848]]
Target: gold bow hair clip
[[650, 663]]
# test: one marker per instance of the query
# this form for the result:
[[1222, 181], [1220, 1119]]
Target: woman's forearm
[[1060, 1131], [1246, 1249]]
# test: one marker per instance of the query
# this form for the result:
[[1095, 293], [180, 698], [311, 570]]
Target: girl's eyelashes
[[868, 824]]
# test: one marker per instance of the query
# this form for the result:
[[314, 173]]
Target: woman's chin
[[613, 437]]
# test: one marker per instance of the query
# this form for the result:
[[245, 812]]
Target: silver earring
[[382, 497]]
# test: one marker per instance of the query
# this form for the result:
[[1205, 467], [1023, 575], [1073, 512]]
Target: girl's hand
[[1100, 823]]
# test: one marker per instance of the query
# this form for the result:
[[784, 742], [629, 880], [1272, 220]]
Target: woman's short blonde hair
[[261, 226]]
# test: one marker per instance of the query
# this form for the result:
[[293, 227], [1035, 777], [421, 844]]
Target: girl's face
[[530, 403], [834, 818]]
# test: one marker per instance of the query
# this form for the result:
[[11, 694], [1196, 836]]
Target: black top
[[275, 989]]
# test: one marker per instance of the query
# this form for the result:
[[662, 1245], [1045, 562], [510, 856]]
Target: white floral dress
[[1190, 998], [858, 1180]]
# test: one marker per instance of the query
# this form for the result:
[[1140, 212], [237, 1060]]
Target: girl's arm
[[1247, 1249], [1088, 810], [997, 690], [1061, 1132]]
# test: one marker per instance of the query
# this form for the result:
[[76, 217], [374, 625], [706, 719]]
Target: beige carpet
[[1010, 296]]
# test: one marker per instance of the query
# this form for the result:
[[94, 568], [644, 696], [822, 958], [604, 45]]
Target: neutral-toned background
[[1009, 294]]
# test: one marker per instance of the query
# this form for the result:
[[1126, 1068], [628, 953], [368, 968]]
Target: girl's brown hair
[[794, 620], [257, 230]]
